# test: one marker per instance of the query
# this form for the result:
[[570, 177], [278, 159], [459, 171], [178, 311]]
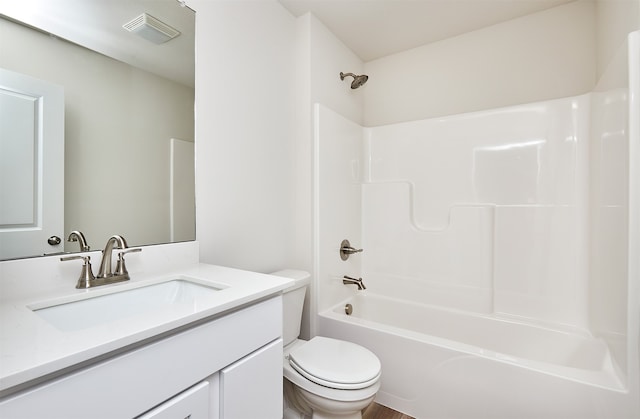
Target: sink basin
[[92, 311]]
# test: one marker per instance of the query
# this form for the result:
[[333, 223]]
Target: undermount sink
[[105, 308]]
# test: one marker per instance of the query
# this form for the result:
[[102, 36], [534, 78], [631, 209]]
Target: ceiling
[[370, 28], [377, 28]]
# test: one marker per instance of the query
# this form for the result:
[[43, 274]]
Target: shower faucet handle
[[346, 249]]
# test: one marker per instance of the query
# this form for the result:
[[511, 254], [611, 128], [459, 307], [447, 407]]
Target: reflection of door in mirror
[[182, 193], [31, 131]]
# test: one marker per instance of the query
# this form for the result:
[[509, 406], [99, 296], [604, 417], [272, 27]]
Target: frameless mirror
[[128, 120]]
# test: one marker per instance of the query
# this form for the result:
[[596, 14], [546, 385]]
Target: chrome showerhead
[[357, 80]]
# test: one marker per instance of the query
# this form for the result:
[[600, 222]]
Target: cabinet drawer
[[190, 404]]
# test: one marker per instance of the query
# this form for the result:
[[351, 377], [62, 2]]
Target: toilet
[[324, 377]]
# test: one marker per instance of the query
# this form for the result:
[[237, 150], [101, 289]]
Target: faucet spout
[[114, 242], [355, 281], [77, 236]]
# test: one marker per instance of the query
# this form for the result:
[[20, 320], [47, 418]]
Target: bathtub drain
[[348, 309]]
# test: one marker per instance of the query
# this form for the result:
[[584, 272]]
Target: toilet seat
[[335, 363]]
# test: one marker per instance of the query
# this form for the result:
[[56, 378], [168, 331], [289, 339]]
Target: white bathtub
[[441, 363]]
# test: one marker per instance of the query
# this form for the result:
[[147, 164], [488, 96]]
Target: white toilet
[[324, 377]]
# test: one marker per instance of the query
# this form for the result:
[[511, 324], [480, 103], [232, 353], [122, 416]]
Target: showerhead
[[357, 80]]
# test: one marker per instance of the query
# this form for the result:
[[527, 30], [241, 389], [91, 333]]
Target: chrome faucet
[[105, 266], [348, 280], [105, 274], [77, 236], [121, 273]]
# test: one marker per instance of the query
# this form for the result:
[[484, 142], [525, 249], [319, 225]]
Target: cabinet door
[[252, 387], [190, 404]]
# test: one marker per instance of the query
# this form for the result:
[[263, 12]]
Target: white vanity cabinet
[[231, 364], [190, 404], [247, 386]]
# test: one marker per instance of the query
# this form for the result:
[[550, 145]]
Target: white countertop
[[31, 348]]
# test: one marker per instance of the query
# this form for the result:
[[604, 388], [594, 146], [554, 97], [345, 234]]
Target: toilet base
[[301, 404], [323, 408], [293, 406]]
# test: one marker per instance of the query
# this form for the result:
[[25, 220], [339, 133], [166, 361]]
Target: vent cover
[[151, 29]]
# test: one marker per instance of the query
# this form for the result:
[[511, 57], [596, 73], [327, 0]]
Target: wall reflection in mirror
[[128, 122]]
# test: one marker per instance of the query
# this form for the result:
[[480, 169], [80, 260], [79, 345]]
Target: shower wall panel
[[609, 203], [484, 211], [338, 182], [449, 266]]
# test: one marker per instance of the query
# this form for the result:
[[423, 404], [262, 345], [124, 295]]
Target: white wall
[[245, 182], [339, 175], [108, 136], [329, 57], [615, 19], [546, 55], [258, 71], [320, 59]]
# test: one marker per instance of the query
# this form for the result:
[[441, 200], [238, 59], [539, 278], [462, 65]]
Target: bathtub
[[440, 363]]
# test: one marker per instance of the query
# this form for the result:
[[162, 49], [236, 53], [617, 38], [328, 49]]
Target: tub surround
[[484, 212], [33, 349], [513, 227]]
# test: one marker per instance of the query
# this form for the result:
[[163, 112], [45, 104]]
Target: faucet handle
[[130, 250], [121, 268], [346, 249], [86, 276]]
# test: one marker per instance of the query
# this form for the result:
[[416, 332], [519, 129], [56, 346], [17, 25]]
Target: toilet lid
[[335, 363]]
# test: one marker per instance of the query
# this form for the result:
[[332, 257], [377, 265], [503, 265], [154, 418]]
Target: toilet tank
[[292, 303]]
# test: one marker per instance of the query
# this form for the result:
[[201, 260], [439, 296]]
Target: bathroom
[[260, 70]]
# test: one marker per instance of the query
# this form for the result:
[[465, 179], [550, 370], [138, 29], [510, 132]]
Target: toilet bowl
[[326, 392], [324, 377]]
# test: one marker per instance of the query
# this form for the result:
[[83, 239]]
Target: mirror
[[128, 112]]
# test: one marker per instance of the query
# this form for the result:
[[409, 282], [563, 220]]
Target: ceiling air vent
[[151, 29]]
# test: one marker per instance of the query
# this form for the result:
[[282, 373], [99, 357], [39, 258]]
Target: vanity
[[179, 340]]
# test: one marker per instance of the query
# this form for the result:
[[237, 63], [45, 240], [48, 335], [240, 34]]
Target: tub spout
[[348, 280]]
